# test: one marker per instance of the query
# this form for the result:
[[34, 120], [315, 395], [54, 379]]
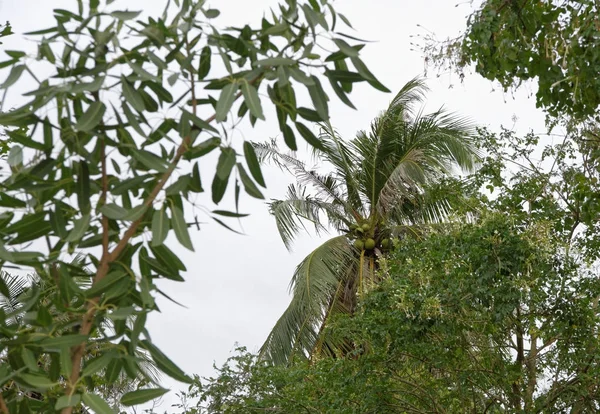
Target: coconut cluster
[[367, 237]]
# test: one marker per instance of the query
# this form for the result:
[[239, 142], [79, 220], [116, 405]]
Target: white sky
[[236, 286]]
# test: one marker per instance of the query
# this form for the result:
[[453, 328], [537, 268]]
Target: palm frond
[[341, 156], [316, 281], [402, 108], [17, 286], [324, 184], [269, 152], [426, 149], [386, 139], [300, 206]]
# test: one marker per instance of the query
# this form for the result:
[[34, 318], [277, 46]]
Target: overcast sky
[[236, 286]]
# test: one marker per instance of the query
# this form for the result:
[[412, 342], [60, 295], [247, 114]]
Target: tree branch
[[3, 406]]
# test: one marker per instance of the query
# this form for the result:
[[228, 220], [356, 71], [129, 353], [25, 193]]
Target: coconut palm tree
[[374, 190]]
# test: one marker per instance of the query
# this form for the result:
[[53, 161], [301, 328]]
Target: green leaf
[[160, 227], [345, 20], [138, 327], [366, 73], [132, 119], [308, 135], [203, 148], [150, 160], [18, 136], [141, 396], [92, 86], [44, 318], [141, 72], [132, 96], [195, 184], [218, 189], [276, 61], [199, 122], [125, 15], [339, 91], [48, 141], [300, 76], [253, 164], [66, 364], [161, 93], [105, 283], [29, 359], [180, 227], [180, 185], [226, 162], [319, 98], [161, 132], [252, 100], [167, 257], [308, 114], [15, 156], [91, 118], [249, 185], [161, 269], [345, 76], [13, 76], [97, 404], [80, 227], [136, 213], [99, 363], [83, 187], [225, 101], [289, 138], [229, 214], [19, 118], [67, 401], [212, 13], [58, 223], [28, 258], [204, 66], [113, 369], [27, 223], [113, 211], [345, 48], [121, 314], [37, 381], [15, 54], [172, 79], [165, 364], [64, 341]]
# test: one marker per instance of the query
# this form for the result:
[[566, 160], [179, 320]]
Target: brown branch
[[516, 397], [531, 366], [3, 406]]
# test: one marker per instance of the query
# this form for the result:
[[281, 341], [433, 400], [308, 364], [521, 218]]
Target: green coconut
[[369, 244], [366, 227], [359, 244]]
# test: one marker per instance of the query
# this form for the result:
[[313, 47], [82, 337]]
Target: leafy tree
[[374, 190], [555, 42], [105, 160], [497, 313], [111, 392]]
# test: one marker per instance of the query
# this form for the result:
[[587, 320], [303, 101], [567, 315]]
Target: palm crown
[[376, 189]]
